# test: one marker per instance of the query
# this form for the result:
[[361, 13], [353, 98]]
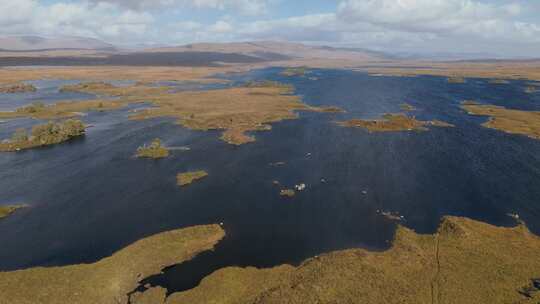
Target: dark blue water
[[90, 197]]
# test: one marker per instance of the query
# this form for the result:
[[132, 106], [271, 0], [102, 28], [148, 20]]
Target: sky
[[510, 28]]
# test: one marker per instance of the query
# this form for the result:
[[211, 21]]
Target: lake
[[90, 197]]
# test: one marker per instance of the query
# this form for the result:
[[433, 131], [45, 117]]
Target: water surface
[[90, 197]]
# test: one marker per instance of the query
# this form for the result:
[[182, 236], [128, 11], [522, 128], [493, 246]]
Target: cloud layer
[[512, 28]]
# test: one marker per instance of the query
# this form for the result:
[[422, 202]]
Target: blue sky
[[510, 28]]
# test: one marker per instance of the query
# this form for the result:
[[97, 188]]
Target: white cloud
[[103, 20], [247, 7]]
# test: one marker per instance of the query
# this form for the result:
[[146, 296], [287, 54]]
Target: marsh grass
[[47, 134], [507, 120], [184, 179], [154, 150]]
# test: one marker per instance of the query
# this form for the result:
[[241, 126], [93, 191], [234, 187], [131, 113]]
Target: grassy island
[[287, 192], [531, 89], [295, 71], [60, 110], [184, 179], [465, 261], [407, 107], [87, 87], [47, 134], [6, 211], [110, 279], [456, 79], [499, 81], [154, 150], [393, 123], [18, 88], [237, 110], [507, 120]]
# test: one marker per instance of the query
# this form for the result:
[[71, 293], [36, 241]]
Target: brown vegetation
[[44, 135], [456, 79], [63, 109], [6, 211], [155, 150], [234, 110], [464, 262], [18, 88], [184, 179], [393, 123], [287, 192], [507, 120], [407, 107], [295, 71], [110, 280]]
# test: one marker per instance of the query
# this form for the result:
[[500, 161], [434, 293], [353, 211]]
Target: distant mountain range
[[37, 43], [82, 47]]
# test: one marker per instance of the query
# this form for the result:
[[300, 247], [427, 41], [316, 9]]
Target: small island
[[498, 81], [87, 87], [18, 88], [407, 107], [47, 134], [295, 71], [456, 79], [155, 150], [531, 89], [184, 179], [393, 123], [287, 193], [6, 211]]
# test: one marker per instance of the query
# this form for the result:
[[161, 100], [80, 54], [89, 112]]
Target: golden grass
[[184, 179], [456, 79], [65, 109], [507, 120], [287, 192], [464, 262], [393, 123], [155, 150], [407, 107], [18, 88], [236, 111], [110, 279], [102, 73], [6, 211], [489, 70], [51, 133], [295, 71]]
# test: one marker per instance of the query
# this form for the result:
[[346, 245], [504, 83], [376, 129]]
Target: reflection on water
[[90, 197]]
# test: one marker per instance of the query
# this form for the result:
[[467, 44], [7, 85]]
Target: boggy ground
[[507, 120], [111, 279], [236, 110], [465, 261]]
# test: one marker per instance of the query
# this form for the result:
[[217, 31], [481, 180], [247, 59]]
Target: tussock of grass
[[184, 179], [47, 134], [155, 150], [510, 121]]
